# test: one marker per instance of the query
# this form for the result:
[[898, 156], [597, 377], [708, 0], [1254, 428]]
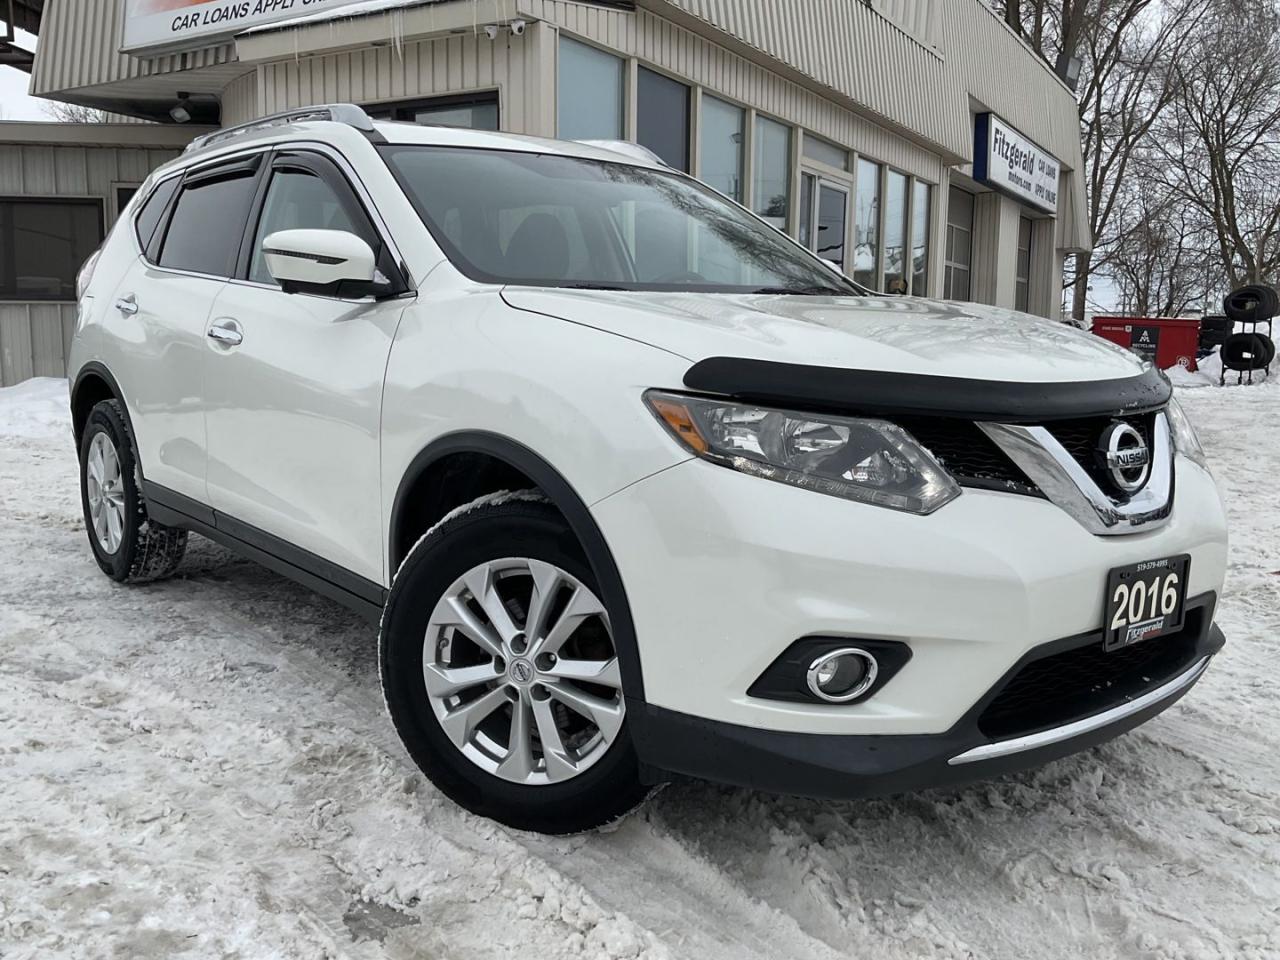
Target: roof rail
[[347, 113]]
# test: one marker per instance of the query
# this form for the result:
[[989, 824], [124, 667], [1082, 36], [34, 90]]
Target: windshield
[[552, 221]]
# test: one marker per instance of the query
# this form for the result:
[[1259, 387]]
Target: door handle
[[127, 305], [226, 333]]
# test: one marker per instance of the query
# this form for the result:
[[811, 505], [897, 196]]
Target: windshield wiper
[[813, 291], [589, 286]]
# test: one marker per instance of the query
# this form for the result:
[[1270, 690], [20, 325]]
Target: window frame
[[689, 88], [392, 110], [149, 249], [390, 261], [1022, 282], [318, 163], [626, 84], [950, 265], [98, 203], [223, 167]]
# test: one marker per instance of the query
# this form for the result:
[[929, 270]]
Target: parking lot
[[203, 768]]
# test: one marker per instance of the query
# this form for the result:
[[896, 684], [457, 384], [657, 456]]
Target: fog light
[[839, 676]]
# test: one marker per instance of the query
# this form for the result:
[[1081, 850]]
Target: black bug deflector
[[879, 393]]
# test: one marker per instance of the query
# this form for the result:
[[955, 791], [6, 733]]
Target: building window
[[772, 175], [472, 112], [895, 234], [825, 153], [1022, 290], [866, 225], [723, 132], [43, 244], [920, 211], [124, 193], [662, 117], [590, 93], [959, 262]]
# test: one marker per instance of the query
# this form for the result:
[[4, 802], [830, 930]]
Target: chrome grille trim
[[1066, 483]]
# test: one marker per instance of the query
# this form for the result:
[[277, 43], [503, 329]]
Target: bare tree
[[1220, 147], [1162, 262], [1125, 49], [75, 113]]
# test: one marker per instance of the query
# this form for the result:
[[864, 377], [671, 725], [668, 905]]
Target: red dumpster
[[1165, 342]]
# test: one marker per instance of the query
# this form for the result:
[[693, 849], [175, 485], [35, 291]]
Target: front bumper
[[844, 766], [724, 571]]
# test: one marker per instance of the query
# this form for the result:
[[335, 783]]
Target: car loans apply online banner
[[176, 23]]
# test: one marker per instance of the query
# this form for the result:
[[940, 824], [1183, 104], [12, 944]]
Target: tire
[[1244, 352], [498, 548], [1253, 303], [128, 545]]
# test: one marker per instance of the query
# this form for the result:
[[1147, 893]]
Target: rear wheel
[[129, 546], [500, 671]]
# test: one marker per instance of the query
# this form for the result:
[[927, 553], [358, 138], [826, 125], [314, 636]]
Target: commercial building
[[919, 144]]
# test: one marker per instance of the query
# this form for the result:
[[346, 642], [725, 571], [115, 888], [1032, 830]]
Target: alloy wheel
[[105, 491], [522, 673]]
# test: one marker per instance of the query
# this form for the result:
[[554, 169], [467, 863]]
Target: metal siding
[[410, 71], [35, 335], [80, 47], [670, 47]]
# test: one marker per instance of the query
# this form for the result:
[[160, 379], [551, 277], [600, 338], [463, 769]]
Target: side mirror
[[320, 261]]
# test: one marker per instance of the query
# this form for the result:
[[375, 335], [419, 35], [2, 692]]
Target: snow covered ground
[[202, 768]]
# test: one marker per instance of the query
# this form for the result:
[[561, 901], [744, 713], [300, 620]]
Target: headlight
[[1185, 440], [870, 461]]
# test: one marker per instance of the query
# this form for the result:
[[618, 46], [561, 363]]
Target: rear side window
[[151, 212], [208, 224]]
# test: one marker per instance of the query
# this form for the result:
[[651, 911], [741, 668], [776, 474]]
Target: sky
[[14, 102]]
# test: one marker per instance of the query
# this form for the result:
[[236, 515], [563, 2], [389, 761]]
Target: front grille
[[1081, 682], [968, 454], [1080, 438]]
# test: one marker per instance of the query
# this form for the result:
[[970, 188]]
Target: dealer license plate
[[1145, 600]]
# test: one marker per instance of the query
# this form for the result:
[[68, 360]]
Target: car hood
[[885, 334]]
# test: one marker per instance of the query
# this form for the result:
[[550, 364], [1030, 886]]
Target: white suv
[[637, 486]]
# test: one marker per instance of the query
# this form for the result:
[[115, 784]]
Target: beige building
[[917, 143]]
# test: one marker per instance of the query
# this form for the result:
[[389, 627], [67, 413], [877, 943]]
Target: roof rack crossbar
[[347, 113]]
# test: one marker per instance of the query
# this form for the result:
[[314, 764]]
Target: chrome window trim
[[1004, 748], [1060, 477]]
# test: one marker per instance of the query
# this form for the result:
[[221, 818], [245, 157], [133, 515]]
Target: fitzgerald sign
[[1007, 161], [152, 24]]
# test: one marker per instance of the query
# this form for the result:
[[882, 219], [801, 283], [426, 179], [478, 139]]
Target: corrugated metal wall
[[851, 50], [34, 335], [80, 47], [454, 64]]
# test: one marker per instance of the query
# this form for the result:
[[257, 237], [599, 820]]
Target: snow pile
[[35, 408], [203, 768]]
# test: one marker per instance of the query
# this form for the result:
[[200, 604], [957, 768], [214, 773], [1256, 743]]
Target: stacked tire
[[1249, 351]]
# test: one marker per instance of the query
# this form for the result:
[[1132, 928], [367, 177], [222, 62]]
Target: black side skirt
[[328, 579]]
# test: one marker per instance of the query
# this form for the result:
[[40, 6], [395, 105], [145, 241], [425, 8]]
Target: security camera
[[491, 31], [517, 28]]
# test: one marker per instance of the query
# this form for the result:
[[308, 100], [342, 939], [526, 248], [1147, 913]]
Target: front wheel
[[129, 546], [501, 675]]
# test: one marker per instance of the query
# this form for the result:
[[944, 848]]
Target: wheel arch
[[93, 384], [525, 463]]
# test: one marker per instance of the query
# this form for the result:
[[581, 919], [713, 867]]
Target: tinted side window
[[208, 224], [297, 200], [151, 212]]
